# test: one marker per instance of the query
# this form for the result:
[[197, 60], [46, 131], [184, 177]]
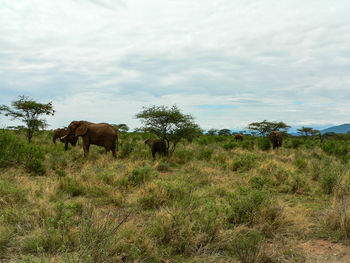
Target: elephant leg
[[66, 145], [86, 146], [113, 149], [114, 153]]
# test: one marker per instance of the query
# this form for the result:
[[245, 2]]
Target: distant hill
[[344, 128]]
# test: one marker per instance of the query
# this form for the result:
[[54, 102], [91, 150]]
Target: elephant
[[238, 137], [101, 134], [59, 133], [157, 146], [276, 139]]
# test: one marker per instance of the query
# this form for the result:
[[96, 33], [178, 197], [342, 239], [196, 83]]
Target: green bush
[[165, 193], [106, 176], [244, 205], [247, 145], [138, 176], [258, 182], [205, 140], [183, 156], [246, 245], [71, 186], [10, 193], [293, 143], [15, 152], [336, 148], [6, 235], [263, 144], [206, 154], [126, 149], [295, 184], [163, 166], [328, 181], [300, 163], [243, 162], [230, 145]]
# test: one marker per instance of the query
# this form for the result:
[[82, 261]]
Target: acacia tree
[[307, 131], [168, 123], [212, 131], [265, 127], [28, 111], [224, 132], [122, 127]]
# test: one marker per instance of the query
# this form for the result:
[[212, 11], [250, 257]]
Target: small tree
[[307, 131], [224, 132], [265, 127], [168, 123], [28, 111], [212, 132], [121, 127]]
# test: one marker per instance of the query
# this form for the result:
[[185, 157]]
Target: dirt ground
[[320, 251]]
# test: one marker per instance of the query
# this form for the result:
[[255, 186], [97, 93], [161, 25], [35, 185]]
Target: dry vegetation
[[213, 200]]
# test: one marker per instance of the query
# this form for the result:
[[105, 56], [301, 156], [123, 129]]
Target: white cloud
[[103, 59]]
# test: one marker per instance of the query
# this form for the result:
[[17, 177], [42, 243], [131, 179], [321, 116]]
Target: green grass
[[213, 200]]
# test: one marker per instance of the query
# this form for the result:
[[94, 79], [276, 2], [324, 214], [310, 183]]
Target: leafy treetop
[[265, 127], [168, 123], [28, 111], [307, 131]]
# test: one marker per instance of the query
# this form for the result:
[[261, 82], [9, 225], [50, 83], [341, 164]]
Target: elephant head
[[76, 128], [276, 139]]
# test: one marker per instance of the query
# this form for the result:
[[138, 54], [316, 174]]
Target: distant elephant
[[238, 137], [276, 139], [157, 146], [59, 133], [101, 134]]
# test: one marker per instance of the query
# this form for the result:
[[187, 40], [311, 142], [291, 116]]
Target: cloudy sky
[[226, 62]]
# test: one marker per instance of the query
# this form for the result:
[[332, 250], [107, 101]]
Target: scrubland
[[213, 200]]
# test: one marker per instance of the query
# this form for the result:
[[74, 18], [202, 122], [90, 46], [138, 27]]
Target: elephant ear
[[81, 130]]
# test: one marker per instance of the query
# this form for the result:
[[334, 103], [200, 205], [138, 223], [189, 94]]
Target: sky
[[227, 62]]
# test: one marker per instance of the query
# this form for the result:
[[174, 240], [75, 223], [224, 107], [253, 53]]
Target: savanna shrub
[[295, 184], [230, 145], [126, 149], [71, 186], [10, 193], [14, 151], [220, 138], [334, 147], [263, 144], [163, 166], [300, 163], [183, 156], [328, 181], [243, 162], [243, 206], [138, 176], [246, 245], [293, 143], [10, 149], [247, 145], [258, 182], [204, 140], [206, 154]]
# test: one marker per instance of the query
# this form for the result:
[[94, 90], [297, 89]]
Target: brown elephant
[[276, 139], [59, 133], [101, 134], [157, 146], [238, 137]]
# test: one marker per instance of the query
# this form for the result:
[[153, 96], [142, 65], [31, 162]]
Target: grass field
[[213, 200]]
